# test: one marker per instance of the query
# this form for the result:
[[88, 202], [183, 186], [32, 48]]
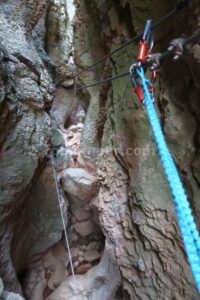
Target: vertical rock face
[[121, 225], [26, 95], [134, 203], [59, 39]]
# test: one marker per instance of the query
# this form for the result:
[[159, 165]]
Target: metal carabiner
[[136, 83], [146, 44], [145, 47]]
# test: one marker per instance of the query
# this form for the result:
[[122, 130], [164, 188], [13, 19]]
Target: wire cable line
[[100, 82], [179, 5]]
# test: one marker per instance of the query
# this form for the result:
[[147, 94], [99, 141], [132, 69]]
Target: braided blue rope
[[186, 222]]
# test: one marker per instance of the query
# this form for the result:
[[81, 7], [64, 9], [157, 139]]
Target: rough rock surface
[[134, 204], [101, 282], [26, 95], [41, 228], [59, 39], [47, 273], [122, 229], [11, 296], [79, 183]]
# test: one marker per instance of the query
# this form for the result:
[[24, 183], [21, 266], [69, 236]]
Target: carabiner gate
[[145, 47]]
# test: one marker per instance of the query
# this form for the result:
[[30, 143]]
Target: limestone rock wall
[[134, 203], [26, 95]]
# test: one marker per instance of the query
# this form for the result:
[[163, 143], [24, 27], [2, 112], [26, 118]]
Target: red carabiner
[[139, 92], [143, 51], [145, 47]]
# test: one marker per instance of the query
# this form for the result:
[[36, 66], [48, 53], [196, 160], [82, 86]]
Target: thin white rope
[[64, 226]]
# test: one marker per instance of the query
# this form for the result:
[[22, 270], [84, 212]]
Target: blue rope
[[186, 222]]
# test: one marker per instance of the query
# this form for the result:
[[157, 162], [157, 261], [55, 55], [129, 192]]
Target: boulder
[[63, 105], [68, 83], [91, 255], [80, 214], [75, 128], [79, 183], [100, 282], [85, 228]]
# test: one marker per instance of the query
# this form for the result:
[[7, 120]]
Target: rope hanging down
[[178, 6], [64, 225], [186, 222]]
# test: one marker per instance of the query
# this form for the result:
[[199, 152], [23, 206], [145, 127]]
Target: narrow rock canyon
[[89, 154]]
